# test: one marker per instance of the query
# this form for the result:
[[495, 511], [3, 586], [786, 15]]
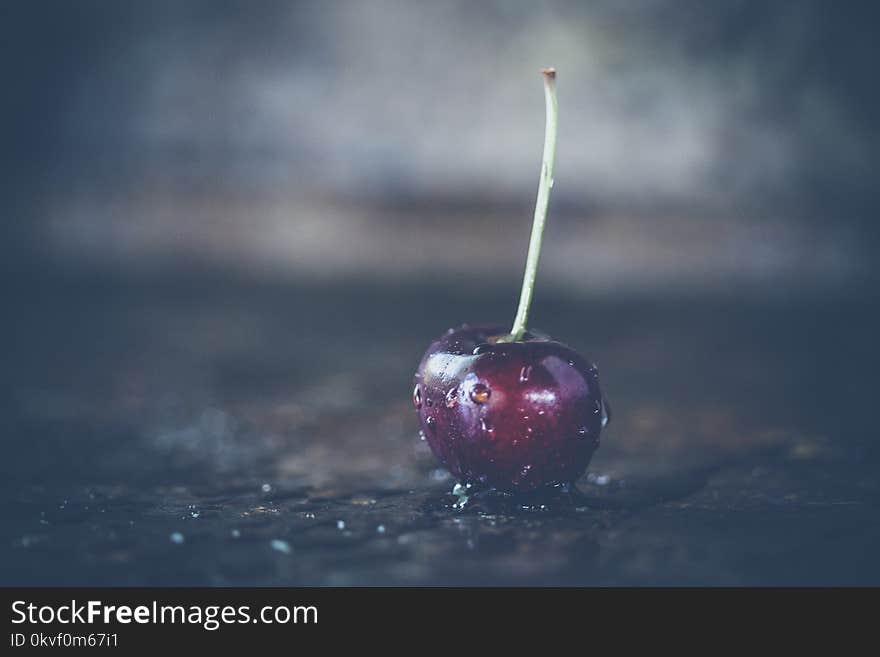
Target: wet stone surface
[[208, 431]]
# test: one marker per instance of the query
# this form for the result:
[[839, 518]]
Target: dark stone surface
[[202, 430]]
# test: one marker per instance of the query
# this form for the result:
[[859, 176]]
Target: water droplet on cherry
[[452, 398], [525, 373], [480, 393], [430, 422], [417, 396], [606, 412]]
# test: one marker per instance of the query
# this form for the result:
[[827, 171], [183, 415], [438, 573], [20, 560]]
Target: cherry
[[515, 411], [515, 416]]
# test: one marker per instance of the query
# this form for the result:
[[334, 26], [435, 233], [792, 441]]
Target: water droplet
[[480, 393], [583, 432], [380, 529], [280, 546], [429, 402], [606, 413], [461, 492], [452, 398], [417, 396], [340, 524], [525, 373], [526, 469], [266, 488], [486, 426], [481, 349], [422, 435], [430, 422], [176, 538]]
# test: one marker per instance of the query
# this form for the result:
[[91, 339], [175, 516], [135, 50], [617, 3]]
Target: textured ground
[[194, 429]]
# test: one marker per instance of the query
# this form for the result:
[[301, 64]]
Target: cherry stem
[[545, 183]]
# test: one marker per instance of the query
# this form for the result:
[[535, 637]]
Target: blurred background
[[703, 147], [230, 229]]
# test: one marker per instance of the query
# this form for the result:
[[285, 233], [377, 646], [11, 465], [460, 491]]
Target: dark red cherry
[[516, 416]]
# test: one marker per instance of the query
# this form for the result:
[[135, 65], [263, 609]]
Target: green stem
[[544, 185]]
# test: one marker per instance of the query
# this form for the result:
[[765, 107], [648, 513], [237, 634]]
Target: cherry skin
[[516, 416]]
